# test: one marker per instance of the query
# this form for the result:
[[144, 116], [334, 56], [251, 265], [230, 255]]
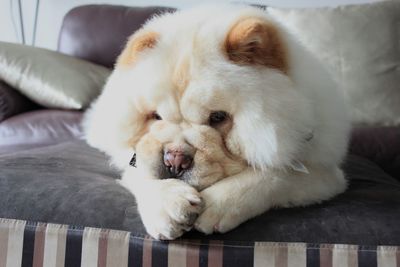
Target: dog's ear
[[256, 41], [137, 43]]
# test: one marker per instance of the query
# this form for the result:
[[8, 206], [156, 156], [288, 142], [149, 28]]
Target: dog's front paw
[[173, 211], [219, 215]]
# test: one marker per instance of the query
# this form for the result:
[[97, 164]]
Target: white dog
[[227, 115]]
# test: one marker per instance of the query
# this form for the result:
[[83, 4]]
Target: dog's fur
[[280, 146]]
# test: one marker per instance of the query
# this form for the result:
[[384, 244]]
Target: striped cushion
[[24, 243]]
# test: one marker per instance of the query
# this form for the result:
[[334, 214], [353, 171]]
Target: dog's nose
[[177, 162]]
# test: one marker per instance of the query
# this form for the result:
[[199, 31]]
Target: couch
[[61, 203]]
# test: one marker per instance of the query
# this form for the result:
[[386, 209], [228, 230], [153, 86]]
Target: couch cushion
[[39, 128], [49, 78], [360, 46], [69, 245], [71, 183]]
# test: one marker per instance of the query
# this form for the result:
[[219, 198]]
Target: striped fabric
[[37, 244]]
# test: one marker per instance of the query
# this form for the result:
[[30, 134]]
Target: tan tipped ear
[[255, 41], [137, 43]]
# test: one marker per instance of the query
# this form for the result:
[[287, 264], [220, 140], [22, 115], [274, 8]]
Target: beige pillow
[[50, 78], [361, 46]]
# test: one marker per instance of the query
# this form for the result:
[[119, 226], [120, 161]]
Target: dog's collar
[[298, 166], [132, 162]]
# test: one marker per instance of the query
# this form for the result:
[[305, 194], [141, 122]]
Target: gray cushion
[[71, 183]]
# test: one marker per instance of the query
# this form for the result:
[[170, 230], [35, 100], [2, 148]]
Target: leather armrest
[[39, 128], [98, 33], [379, 144]]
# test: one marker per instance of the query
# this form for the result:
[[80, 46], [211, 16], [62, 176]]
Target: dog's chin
[[189, 177], [199, 176]]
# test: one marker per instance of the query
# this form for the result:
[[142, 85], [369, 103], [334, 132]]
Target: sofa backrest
[[98, 33]]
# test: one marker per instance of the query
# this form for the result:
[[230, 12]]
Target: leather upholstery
[[80, 189], [379, 144], [12, 102], [98, 32]]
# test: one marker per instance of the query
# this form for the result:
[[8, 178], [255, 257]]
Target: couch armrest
[[38, 129], [379, 144], [98, 33]]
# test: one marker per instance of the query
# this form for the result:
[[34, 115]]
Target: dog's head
[[199, 96]]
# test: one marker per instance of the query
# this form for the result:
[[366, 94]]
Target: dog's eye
[[155, 116], [217, 117]]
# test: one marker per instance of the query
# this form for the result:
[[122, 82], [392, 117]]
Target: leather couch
[[50, 180]]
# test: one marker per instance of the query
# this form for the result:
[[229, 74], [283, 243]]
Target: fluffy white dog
[[226, 116]]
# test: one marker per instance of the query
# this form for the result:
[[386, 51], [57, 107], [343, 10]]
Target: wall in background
[[51, 13]]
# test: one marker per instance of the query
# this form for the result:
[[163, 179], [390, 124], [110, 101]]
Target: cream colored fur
[[277, 121]]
